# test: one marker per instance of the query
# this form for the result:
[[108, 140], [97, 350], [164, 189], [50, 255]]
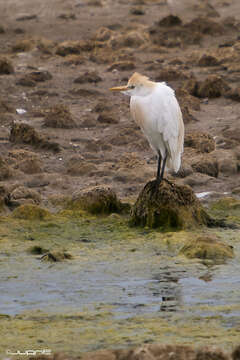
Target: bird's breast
[[139, 113]]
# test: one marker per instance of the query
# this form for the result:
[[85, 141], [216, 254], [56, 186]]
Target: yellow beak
[[119, 88]]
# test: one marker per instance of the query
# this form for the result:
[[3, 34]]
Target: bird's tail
[[174, 162]]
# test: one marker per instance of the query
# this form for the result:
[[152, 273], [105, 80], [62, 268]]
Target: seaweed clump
[[207, 248], [59, 116], [97, 200], [31, 212], [168, 206], [25, 134], [56, 256]]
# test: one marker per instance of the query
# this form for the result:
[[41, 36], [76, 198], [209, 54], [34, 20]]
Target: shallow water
[[133, 284], [32, 284]]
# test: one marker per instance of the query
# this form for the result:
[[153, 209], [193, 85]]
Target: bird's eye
[[131, 86]]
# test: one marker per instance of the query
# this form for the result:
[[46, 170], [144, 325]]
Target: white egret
[[155, 109]]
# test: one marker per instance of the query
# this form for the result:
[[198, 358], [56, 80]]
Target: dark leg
[[163, 166], [159, 165]]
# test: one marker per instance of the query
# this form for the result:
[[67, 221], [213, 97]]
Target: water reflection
[[169, 289]]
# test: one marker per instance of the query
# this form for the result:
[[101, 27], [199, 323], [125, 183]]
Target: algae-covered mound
[[31, 212], [97, 200], [169, 206], [56, 256], [207, 248], [59, 116], [152, 352]]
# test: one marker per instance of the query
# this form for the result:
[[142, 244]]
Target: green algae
[[97, 200], [209, 248], [31, 212], [126, 251], [168, 206], [228, 208], [85, 331]]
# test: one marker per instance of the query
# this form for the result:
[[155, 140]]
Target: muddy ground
[[62, 130], [69, 53]]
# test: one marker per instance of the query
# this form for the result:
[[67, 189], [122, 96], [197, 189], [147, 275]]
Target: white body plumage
[[160, 118], [155, 109]]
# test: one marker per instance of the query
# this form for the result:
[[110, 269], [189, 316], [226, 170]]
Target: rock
[[26, 161], [88, 122], [40, 75], [26, 134], [170, 20], [202, 142], [228, 166], [233, 94], [26, 80], [59, 116], [227, 162], [233, 134], [6, 107], [122, 66], [74, 60], [96, 200], [125, 137], [187, 116], [95, 3], [107, 118], [213, 86], [236, 353], [39, 180], [173, 36], [101, 106], [103, 34], [170, 73], [6, 66], [74, 47], [30, 166], [92, 146], [226, 205], [206, 166], [26, 17], [46, 46], [132, 39], [24, 45], [197, 179], [67, 16], [6, 171], [56, 256], [21, 196], [76, 91], [168, 206], [151, 352], [68, 47], [236, 190], [207, 248], [184, 171], [208, 60], [36, 250], [205, 26], [77, 167], [191, 86], [88, 77], [137, 11], [187, 100]]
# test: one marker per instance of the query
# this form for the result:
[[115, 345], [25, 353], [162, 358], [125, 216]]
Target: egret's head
[[138, 85]]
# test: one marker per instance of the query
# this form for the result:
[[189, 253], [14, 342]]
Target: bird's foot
[[168, 181], [158, 181]]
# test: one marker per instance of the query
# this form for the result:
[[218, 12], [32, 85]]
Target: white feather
[[160, 118]]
